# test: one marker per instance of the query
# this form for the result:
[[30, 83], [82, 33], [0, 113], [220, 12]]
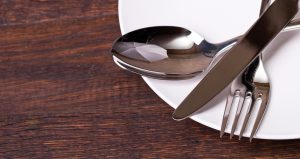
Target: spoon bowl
[[165, 52]]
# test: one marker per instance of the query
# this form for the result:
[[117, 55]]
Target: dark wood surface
[[61, 96]]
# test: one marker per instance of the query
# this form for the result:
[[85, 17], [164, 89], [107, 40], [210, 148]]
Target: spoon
[[170, 52]]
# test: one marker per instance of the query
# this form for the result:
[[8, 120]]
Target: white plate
[[218, 21]]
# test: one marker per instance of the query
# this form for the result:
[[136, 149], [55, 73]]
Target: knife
[[265, 29]]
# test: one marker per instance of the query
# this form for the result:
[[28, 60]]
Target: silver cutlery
[[266, 28], [250, 88], [167, 52]]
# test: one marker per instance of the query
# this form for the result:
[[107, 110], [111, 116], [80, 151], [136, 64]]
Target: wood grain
[[61, 96]]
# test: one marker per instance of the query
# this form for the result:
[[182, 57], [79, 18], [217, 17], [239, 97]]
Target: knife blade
[[265, 29]]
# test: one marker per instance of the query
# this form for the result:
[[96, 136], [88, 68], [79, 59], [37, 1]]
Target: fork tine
[[261, 112], [230, 99], [237, 114], [229, 103], [249, 110], [226, 114]]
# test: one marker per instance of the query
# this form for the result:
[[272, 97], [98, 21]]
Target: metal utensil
[[243, 88], [267, 27], [168, 52]]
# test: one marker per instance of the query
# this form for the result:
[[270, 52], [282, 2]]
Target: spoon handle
[[293, 25]]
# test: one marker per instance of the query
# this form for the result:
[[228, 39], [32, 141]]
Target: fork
[[249, 89]]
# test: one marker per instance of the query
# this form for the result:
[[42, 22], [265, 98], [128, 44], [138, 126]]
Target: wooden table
[[62, 96]]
